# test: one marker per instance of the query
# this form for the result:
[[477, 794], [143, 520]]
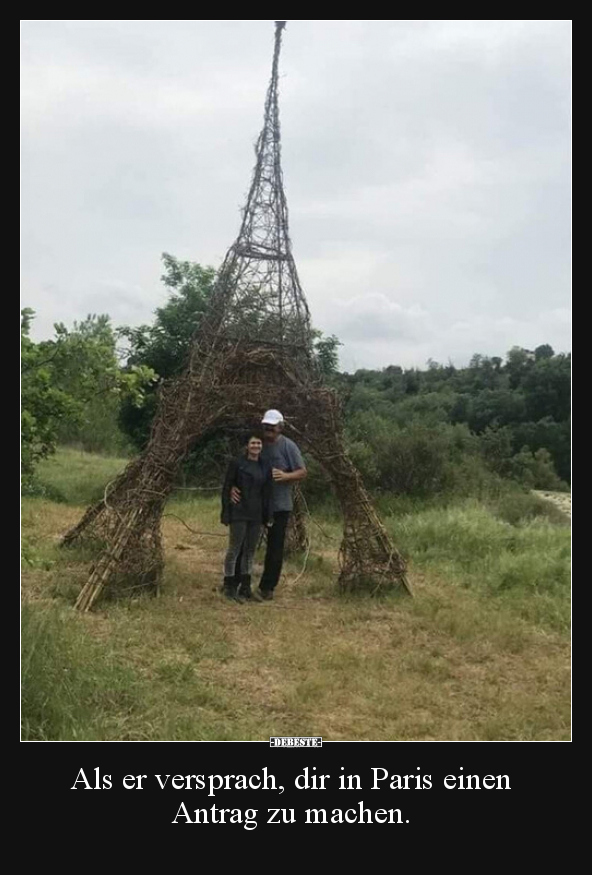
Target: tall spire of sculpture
[[258, 295]]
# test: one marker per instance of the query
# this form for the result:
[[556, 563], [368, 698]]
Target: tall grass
[[76, 476], [71, 688], [525, 564]]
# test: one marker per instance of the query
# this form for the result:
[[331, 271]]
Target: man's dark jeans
[[274, 554]]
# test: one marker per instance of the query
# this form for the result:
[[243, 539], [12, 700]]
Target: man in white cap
[[288, 468]]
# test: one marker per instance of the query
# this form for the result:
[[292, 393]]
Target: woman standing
[[253, 478]]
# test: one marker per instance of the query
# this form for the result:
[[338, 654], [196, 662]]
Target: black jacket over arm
[[237, 474]]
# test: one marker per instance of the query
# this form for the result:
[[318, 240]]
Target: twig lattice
[[253, 351]]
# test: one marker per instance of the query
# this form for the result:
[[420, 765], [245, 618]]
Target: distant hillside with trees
[[411, 431]]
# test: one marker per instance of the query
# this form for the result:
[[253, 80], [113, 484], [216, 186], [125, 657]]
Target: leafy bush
[[71, 389], [518, 508], [32, 487], [536, 470]]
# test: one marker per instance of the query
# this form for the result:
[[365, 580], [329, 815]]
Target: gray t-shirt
[[285, 455]]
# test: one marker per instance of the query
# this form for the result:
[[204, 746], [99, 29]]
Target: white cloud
[[426, 166]]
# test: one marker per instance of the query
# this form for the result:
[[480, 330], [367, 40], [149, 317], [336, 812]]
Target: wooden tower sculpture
[[253, 351]]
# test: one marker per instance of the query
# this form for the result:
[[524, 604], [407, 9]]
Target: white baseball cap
[[272, 417]]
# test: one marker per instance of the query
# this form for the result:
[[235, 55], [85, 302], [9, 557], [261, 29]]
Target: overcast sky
[[426, 165]]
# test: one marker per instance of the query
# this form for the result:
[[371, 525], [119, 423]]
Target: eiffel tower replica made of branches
[[252, 351]]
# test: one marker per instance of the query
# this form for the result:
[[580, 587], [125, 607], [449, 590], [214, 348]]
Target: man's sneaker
[[263, 595]]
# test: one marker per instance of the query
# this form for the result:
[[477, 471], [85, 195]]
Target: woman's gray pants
[[244, 536]]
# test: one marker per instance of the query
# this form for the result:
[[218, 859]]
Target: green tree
[[494, 408], [519, 363], [164, 345], [547, 388], [543, 352], [327, 353], [43, 405], [87, 368], [71, 388]]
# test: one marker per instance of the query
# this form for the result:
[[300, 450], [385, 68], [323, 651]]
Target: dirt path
[[562, 500]]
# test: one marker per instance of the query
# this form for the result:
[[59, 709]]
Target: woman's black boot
[[244, 590], [230, 589]]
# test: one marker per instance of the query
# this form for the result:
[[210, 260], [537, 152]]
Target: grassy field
[[480, 653]]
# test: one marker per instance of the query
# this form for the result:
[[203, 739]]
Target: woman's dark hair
[[252, 433]]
